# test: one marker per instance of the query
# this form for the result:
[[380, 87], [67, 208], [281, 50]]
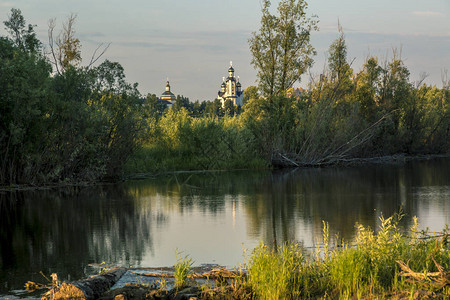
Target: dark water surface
[[212, 216]]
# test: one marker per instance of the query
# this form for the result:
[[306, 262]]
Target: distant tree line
[[62, 121]]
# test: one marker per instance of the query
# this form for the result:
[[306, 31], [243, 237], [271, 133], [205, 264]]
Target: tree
[[340, 71], [281, 48], [181, 102], [66, 49], [337, 61], [214, 108], [23, 37], [229, 108], [24, 107], [250, 92]]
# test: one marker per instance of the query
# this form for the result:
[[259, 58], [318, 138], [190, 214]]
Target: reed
[[389, 262]]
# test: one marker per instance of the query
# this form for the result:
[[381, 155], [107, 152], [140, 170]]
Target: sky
[[192, 42]]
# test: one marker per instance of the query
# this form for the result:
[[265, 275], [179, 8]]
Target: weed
[[182, 270], [162, 284]]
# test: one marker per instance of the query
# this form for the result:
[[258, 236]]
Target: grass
[[182, 270], [390, 262], [370, 268], [274, 274]]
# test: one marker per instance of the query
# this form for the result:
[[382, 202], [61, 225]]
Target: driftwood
[[436, 280], [90, 288]]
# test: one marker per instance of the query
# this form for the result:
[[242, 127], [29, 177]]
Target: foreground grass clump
[[274, 274], [386, 263], [182, 270]]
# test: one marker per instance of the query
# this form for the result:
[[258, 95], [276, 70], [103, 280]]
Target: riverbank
[[396, 159], [389, 263]]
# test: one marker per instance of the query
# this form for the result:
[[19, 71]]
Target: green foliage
[[24, 103], [371, 268], [24, 38], [373, 113], [274, 274], [179, 141], [281, 48], [75, 123], [80, 124], [250, 92], [182, 270]]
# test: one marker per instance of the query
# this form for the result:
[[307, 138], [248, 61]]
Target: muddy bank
[[205, 282]]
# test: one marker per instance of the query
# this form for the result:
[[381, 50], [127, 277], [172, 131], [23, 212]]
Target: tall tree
[[281, 48], [65, 48], [337, 60], [23, 37], [340, 71]]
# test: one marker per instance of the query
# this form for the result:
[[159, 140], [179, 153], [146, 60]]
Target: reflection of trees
[[203, 191], [63, 231], [278, 203], [339, 196]]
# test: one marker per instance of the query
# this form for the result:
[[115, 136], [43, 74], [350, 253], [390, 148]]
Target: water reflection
[[63, 231], [210, 216]]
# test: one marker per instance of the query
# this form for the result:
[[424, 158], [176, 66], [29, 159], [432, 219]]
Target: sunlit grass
[[369, 268], [274, 274], [182, 270]]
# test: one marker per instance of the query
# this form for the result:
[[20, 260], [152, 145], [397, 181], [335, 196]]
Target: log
[[90, 288]]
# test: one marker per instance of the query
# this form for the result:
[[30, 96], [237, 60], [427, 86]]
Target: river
[[212, 217]]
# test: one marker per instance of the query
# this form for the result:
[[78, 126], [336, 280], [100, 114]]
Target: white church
[[231, 89]]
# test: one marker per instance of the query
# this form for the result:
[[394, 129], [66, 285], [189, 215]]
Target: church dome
[[231, 69], [168, 95]]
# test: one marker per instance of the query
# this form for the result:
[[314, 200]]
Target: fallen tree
[[90, 288]]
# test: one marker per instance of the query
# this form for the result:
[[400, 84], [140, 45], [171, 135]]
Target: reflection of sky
[[191, 42], [433, 209], [212, 238], [207, 237]]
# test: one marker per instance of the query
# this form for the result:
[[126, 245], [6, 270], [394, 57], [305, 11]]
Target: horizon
[[193, 43]]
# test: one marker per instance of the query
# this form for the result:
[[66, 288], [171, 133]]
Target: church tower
[[231, 89], [168, 95]]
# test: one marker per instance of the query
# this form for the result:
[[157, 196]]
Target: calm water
[[212, 217]]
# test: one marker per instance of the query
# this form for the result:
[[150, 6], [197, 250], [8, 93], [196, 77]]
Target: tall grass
[[182, 270], [372, 267], [275, 274]]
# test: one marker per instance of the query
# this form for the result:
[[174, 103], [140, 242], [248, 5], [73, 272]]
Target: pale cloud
[[6, 4], [428, 13]]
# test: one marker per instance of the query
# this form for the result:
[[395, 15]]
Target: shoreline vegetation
[[68, 122], [386, 160], [391, 262]]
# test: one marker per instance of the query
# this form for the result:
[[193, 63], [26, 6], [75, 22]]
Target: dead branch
[[436, 280], [94, 58]]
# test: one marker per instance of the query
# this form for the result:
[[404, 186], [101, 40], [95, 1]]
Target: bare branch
[[51, 42], [94, 58]]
